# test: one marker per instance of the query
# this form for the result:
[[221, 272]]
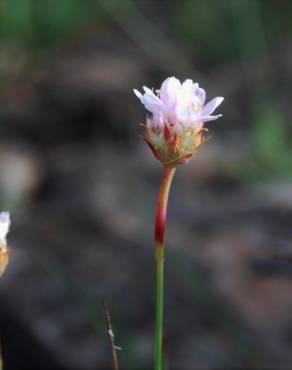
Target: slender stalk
[[111, 336], [160, 224], [1, 361]]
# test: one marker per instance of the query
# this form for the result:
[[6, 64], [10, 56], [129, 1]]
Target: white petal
[[4, 225], [211, 106], [185, 96], [187, 85], [150, 96], [138, 94], [169, 89], [201, 93], [148, 91], [210, 118], [151, 102]]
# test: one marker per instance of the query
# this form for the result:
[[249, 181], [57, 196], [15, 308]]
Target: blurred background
[[81, 185]]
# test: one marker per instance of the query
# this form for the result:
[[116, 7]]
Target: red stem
[[162, 206]]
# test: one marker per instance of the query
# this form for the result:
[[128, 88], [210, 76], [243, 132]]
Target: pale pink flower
[[174, 130], [178, 105]]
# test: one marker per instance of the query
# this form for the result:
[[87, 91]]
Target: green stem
[[159, 238], [159, 309]]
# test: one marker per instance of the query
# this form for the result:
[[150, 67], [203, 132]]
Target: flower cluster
[[174, 131], [4, 250]]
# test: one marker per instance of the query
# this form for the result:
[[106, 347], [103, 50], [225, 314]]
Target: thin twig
[[1, 359], [111, 336]]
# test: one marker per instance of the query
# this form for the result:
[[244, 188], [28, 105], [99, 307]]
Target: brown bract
[[4, 258], [172, 148]]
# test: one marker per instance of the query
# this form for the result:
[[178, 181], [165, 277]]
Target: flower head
[[4, 250], [174, 131]]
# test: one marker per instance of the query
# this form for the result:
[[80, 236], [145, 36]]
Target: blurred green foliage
[[216, 32], [209, 27], [34, 24], [270, 156]]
